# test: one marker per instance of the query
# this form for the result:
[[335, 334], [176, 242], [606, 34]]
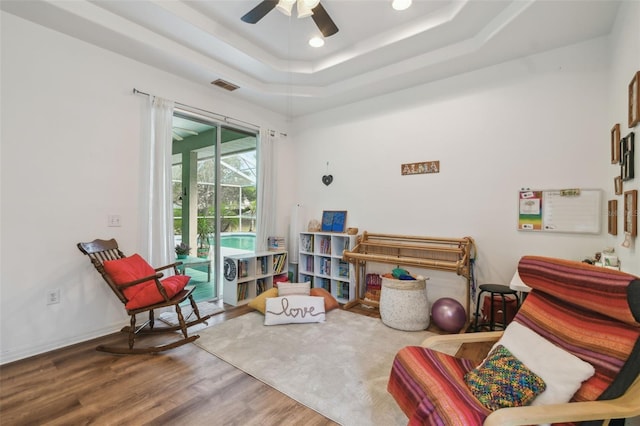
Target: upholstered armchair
[[571, 354]]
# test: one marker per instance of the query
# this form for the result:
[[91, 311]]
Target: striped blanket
[[591, 312]]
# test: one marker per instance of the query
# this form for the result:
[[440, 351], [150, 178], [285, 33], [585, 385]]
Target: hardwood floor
[[186, 386]]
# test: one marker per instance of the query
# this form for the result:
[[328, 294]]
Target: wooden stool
[[494, 290]]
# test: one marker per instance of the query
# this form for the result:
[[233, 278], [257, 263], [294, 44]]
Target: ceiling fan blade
[[323, 21], [259, 12]]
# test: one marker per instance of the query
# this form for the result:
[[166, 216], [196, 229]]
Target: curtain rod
[[224, 117]]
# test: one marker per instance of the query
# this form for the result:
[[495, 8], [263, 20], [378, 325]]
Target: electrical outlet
[[53, 296]]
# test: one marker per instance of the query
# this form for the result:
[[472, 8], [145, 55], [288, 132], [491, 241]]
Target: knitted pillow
[[562, 372], [503, 381]]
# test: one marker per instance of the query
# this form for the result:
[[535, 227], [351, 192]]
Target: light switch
[[113, 220]]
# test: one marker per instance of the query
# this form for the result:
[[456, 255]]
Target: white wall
[[70, 157], [625, 61], [539, 122]]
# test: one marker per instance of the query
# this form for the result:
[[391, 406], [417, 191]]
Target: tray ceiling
[[377, 49]]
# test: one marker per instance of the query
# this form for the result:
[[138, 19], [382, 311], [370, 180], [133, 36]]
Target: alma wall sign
[[420, 168]]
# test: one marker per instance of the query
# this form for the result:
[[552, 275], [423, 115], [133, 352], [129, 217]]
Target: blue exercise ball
[[448, 314]]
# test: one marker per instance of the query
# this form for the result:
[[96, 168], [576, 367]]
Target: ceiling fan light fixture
[[285, 6], [401, 4], [304, 11], [316, 41], [318, 13]]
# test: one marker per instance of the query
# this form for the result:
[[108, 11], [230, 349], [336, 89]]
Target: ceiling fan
[[305, 8]]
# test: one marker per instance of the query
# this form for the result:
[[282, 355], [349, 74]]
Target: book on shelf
[[343, 269], [309, 264], [343, 290], [243, 291], [325, 266], [325, 245], [373, 287], [262, 265], [243, 268], [260, 286], [306, 243], [279, 261], [276, 243]]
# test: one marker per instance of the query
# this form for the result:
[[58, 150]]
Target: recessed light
[[401, 4], [316, 42]]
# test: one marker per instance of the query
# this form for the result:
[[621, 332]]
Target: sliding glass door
[[214, 195]]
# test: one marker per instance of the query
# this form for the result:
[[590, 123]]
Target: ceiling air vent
[[225, 85]]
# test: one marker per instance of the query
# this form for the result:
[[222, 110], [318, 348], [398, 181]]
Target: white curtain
[[266, 221], [157, 205]]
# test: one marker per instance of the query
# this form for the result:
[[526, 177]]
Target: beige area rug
[[338, 368], [205, 308]]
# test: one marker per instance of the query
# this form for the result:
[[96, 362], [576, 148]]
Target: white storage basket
[[404, 304]]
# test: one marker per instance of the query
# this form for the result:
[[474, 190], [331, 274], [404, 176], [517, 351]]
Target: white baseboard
[[17, 354]]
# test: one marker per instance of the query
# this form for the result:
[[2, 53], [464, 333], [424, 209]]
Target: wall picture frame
[[612, 208], [617, 185], [631, 212], [627, 157], [634, 100], [615, 144], [334, 221]]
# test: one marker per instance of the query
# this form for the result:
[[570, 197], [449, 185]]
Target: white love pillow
[[294, 309]]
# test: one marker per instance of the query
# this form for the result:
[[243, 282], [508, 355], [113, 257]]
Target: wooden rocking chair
[[140, 288]]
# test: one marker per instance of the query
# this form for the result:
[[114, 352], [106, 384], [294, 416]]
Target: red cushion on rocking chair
[[144, 294], [150, 295]]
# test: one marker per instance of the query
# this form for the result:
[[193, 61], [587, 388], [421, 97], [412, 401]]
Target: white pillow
[[286, 289], [294, 309], [562, 372]]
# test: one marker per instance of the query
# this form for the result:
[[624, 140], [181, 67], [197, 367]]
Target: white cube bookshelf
[[247, 275], [320, 262]]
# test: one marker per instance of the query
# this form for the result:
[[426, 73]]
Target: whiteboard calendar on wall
[[574, 210]]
